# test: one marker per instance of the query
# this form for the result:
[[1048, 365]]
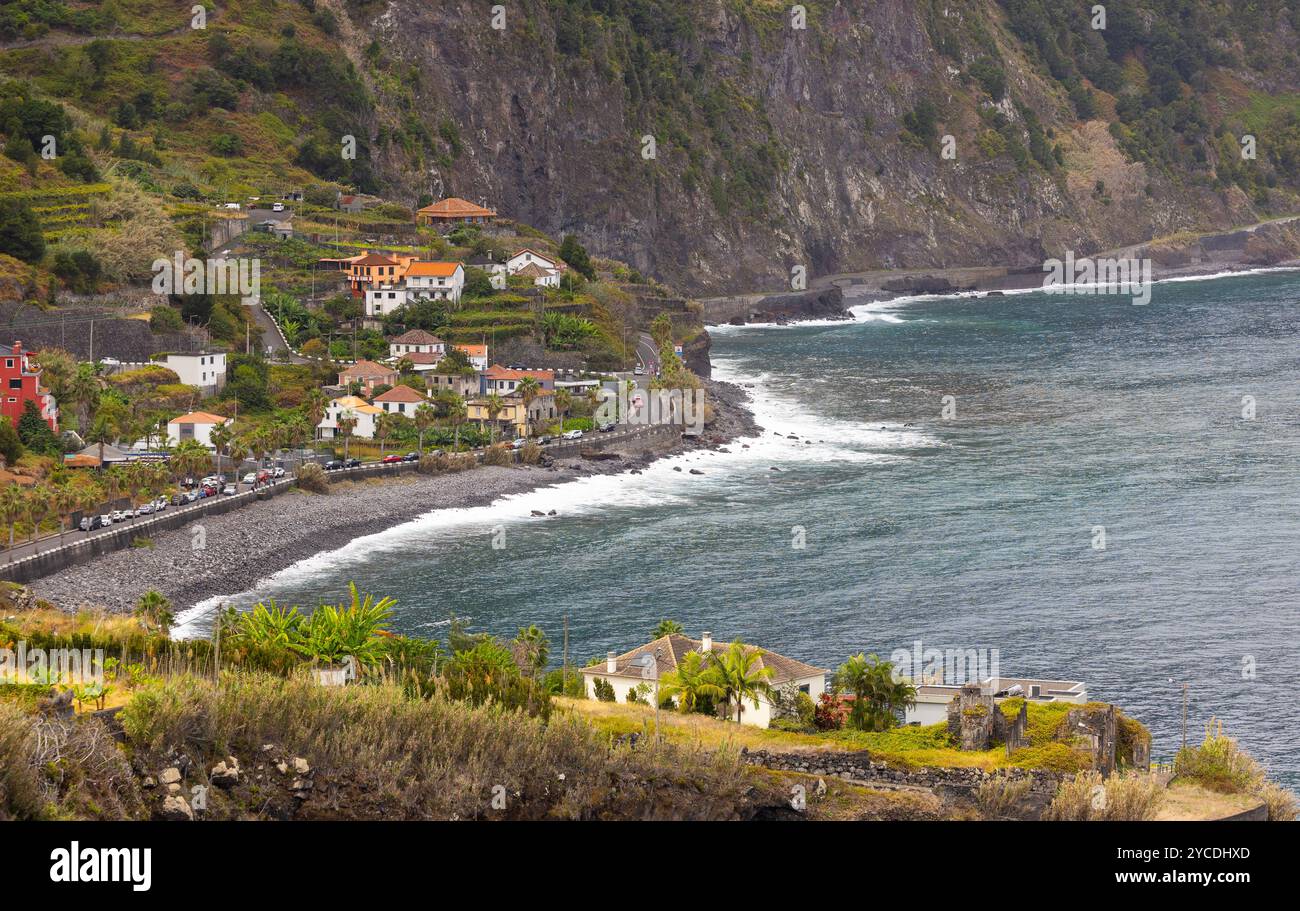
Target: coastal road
[[646, 354]]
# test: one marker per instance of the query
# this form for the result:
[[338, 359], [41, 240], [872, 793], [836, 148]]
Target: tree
[[64, 501], [877, 697], [535, 648], [738, 673], [11, 447], [13, 506], [456, 413], [347, 423], [691, 682], [83, 391], [424, 417], [220, 437], [666, 628], [155, 609], [20, 231], [573, 253], [39, 505], [529, 389], [35, 431], [495, 405]]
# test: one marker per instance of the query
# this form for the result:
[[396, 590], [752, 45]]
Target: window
[[16, 383], [804, 688]]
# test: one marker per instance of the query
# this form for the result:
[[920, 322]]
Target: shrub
[[311, 478], [1086, 797], [830, 713], [431, 464], [530, 453], [499, 454], [603, 689], [999, 795], [461, 461]]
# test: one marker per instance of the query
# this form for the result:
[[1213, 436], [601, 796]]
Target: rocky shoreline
[[245, 546]]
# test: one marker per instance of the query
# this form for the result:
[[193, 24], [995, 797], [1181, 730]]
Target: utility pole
[[92, 341]]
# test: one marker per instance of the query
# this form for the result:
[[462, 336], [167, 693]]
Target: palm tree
[[155, 610], [83, 391], [238, 450], [384, 427], [666, 628], [535, 647], [220, 437], [877, 696], [456, 413], [13, 507], [347, 423], [563, 402], [529, 389], [495, 405], [64, 500], [190, 458], [738, 673], [424, 417], [101, 432], [690, 681], [38, 502]]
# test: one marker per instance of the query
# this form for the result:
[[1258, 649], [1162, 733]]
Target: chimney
[[706, 641], [611, 663]]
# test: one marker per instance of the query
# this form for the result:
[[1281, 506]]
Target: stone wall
[[858, 766]]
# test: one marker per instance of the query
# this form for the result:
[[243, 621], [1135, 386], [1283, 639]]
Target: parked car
[[390, 459], [334, 464], [544, 439], [278, 207], [180, 499], [607, 426], [519, 443], [90, 523], [228, 490], [120, 516], [638, 370], [264, 476], [277, 472], [145, 509], [353, 463], [250, 478], [411, 457], [106, 519], [434, 452], [192, 496], [573, 435], [160, 503]]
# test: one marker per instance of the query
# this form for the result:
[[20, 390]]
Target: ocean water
[[1075, 417]]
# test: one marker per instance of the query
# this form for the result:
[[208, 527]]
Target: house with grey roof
[[651, 662]]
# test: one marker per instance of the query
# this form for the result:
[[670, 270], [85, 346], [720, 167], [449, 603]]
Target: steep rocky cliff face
[[778, 147]]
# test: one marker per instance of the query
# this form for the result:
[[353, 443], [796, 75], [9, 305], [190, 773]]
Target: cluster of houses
[[626, 674], [423, 352]]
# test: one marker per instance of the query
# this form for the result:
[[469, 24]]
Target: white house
[[354, 407], [401, 399], [932, 699], [384, 299], [477, 354], [197, 425], [543, 270], [436, 281], [417, 341], [204, 369], [657, 659]]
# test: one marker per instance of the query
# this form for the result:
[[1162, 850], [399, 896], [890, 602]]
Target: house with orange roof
[[197, 425], [516, 418], [401, 399], [477, 354], [505, 380], [372, 270], [435, 281], [368, 374], [644, 666], [454, 211], [358, 410]]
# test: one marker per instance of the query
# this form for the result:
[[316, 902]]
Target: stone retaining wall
[[859, 767]]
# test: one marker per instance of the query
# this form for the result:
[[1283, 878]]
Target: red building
[[20, 382]]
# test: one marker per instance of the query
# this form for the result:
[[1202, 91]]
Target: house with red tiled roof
[[368, 374], [401, 399], [477, 354], [542, 269], [505, 380], [453, 211], [416, 341], [646, 665]]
